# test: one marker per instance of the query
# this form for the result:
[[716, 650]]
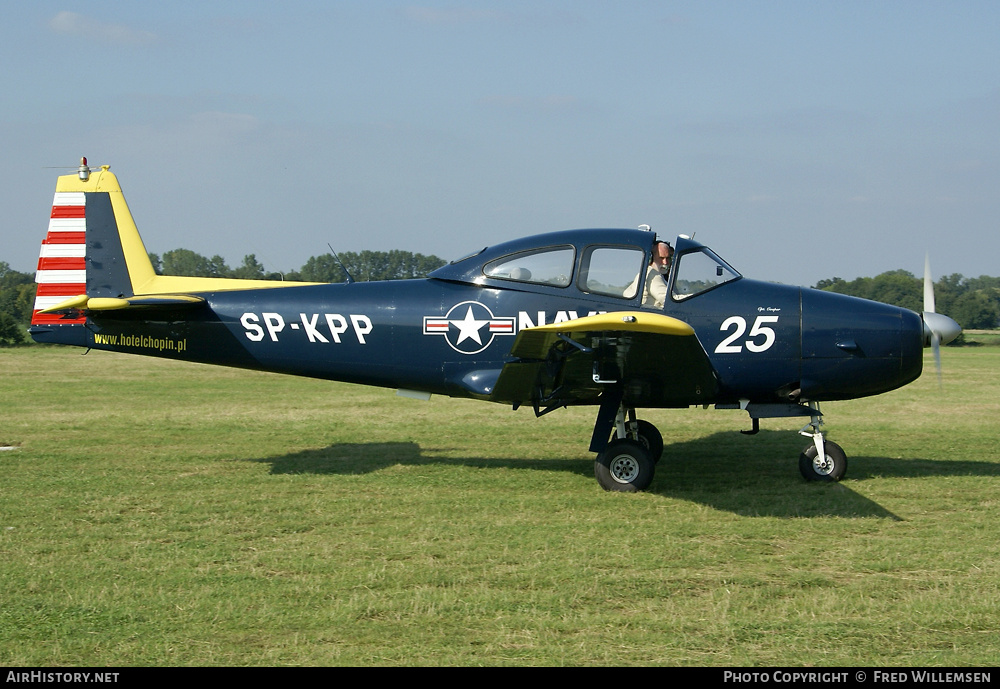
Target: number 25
[[738, 325]]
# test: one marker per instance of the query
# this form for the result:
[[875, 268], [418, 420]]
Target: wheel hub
[[624, 469], [823, 465]]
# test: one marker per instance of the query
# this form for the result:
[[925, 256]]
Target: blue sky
[[801, 140]]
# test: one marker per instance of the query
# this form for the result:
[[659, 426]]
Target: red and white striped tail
[[62, 264]]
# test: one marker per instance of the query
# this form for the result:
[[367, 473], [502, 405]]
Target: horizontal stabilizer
[[158, 301]]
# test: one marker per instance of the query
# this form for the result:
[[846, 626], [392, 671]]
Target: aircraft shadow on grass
[[756, 476]]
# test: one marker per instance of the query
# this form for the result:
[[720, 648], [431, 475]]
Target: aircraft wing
[[655, 360]]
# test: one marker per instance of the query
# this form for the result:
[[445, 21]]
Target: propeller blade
[[938, 328], [928, 286]]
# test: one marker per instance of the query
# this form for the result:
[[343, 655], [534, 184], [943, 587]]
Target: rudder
[[92, 248]]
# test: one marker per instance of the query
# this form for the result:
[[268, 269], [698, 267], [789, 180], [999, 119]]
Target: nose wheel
[[823, 460], [830, 466]]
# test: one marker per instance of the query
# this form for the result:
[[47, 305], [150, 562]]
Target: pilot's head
[[662, 253]]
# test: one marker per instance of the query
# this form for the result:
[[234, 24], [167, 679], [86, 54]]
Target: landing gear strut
[[628, 462], [823, 460]]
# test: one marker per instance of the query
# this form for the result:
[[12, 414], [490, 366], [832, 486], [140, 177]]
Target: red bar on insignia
[[501, 326]]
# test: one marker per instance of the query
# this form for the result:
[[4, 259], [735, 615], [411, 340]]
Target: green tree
[[11, 332], [323, 268], [368, 266], [10, 277], [251, 269], [217, 267], [975, 310], [416, 265], [983, 282], [389, 265], [24, 302], [897, 287], [17, 297], [189, 263], [947, 290], [830, 284]]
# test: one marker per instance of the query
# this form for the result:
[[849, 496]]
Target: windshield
[[698, 272]]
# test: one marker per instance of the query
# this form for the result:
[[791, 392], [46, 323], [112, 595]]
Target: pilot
[[654, 291]]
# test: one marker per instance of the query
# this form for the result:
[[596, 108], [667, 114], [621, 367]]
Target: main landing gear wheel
[[624, 466], [649, 437], [832, 467]]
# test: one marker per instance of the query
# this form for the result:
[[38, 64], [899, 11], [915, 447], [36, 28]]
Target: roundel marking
[[469, 327]]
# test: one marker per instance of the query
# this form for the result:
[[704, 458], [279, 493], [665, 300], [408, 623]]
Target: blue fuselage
[[452, 333], [766, 342]]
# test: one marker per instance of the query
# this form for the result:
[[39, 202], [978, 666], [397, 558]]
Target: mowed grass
[[163, 513]]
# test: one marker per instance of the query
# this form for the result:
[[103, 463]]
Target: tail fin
[[92, 248], [93, 257]]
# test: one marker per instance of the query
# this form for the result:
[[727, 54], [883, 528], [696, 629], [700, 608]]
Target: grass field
[[979, 338], [161, 513]]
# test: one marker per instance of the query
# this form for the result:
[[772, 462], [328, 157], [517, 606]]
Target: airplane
[[549, 321]]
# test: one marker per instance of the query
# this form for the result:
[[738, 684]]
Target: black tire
[[832, 469], [624, 466], [650, 438]]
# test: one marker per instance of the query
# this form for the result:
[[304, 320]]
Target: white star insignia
[[468, 328]]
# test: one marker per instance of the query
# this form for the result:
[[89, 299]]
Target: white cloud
[[74, 24]]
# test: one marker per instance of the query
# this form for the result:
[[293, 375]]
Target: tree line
[[363, 266], [973, 302]]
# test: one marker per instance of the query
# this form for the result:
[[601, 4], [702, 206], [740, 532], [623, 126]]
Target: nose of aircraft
[[939, 325], [854, 347]]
